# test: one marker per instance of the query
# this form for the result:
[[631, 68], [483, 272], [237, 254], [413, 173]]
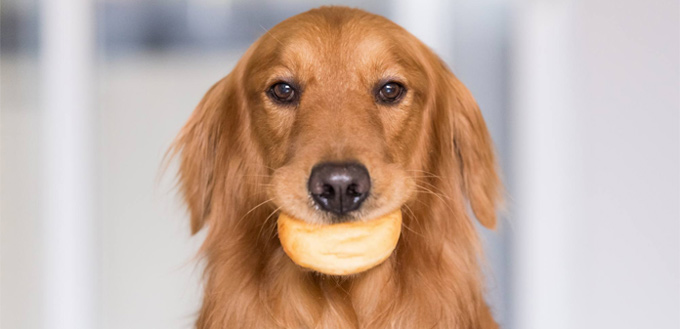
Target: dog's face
[[337, 110], [344, 113]]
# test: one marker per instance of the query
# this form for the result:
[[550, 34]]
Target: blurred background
[[582, 98]]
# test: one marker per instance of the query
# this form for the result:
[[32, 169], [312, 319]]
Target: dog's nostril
[[339, 187], [328, 191], [352, 190]]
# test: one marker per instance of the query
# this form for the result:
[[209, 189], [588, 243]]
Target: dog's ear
[[476, 157], [198, 146], [472, 146]]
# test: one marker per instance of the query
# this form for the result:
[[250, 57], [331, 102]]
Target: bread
[[340, 249]]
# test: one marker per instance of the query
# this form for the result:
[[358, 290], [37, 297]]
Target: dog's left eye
[[283, 93], [390, 92]]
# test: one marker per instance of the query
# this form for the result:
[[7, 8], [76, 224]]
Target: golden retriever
[[338, 92]]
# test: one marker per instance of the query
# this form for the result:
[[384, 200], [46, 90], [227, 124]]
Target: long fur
[[432, 280]]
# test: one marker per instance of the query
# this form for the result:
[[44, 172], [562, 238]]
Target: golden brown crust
[[340, 249]]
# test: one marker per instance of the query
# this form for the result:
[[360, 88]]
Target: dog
[[339, 92]]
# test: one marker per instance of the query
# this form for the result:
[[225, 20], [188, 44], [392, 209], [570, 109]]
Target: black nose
[[339, 187]]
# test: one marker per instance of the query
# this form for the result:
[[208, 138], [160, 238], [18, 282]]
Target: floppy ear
[[474, 150], [197, 145]]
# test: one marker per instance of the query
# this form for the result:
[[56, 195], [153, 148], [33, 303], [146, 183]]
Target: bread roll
[[340, 249]]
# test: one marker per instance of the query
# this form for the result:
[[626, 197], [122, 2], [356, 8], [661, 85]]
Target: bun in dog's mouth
[[340, 249]]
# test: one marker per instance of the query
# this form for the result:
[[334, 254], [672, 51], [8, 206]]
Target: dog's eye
[[390, 92], [283, 92]]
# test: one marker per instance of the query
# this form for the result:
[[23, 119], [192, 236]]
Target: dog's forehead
[[316, 48], [344, 52]]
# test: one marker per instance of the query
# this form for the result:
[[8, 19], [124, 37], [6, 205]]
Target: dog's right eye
[[390, 93], [283, 93]]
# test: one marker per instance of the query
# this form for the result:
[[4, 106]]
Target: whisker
[[432, 193], [411, 211], [425, 175], [432, 186], [429, 188], [446, 204], [264, 223], [413, 215], [266, 243], [422, 202], [251, 210], [421, 176], [272, 235], [412, 231], [429, 174], [426, 190]]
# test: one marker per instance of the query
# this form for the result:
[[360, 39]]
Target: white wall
[[596, 144], [21, 248], [150, 277]]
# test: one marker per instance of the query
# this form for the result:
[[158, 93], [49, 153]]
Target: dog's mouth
[[339, 218]]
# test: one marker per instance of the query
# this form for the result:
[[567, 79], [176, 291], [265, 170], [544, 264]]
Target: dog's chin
[[339, 278]]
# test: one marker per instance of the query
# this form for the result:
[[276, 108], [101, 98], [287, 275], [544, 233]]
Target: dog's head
[[334, 115]]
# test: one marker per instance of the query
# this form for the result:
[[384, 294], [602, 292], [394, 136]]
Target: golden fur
[[244, 158]]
